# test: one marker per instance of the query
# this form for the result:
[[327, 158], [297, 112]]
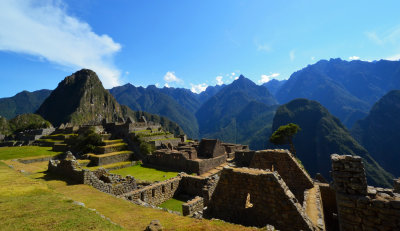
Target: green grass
[[173, 204], [27, 204], [7, 153], [145, 173], [107, 166]]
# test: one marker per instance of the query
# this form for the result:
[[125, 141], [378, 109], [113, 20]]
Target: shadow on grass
[[48, 176]]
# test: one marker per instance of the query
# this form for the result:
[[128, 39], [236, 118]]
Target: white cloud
[[354, 58], [157, 84], [166, 85], [263, 47], [391, 36], [171, 77], [233, 73], [292, 55], [393, 57], [45, 30], [198, 88], [267, 78], [312, 58], [236, 78], [219, 80]]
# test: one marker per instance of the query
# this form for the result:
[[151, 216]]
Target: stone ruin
[[27, 137], [362, 207], [193, 157]]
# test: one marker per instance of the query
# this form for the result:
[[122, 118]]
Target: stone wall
[[99, 179], [396, 185], [282, 161], [243, 158], [110, 158], [256, 197], [179, 161], [156, 193], [210, 148], [192, 206], [328, 196], [361, 207]]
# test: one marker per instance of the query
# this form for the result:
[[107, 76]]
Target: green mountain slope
[[347, 89], [322, 135], [152, 100], [230, 101], [379, 132], [21, 103]]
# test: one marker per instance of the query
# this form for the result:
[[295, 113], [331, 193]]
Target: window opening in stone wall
[[142, 196], [163, 189], [153, 192], [172, 186], [248, 202]]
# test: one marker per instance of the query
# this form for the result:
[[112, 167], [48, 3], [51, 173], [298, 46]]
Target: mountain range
[[347, 89], [243, 112], [320, 136]]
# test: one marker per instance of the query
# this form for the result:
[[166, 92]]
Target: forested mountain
[[321, 135], [153, 100], [21, 103], [379, 132], [347, 89], [220, 110]]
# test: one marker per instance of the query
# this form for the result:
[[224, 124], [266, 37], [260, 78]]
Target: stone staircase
[[110, 153]]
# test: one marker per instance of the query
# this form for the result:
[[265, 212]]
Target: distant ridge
[[347, 89], [22, 103], [322, 135], [379, 132]]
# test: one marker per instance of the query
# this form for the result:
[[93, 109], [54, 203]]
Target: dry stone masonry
[[361, 207]]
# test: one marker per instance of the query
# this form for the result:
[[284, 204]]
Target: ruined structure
[[194, 157], [362, 207]]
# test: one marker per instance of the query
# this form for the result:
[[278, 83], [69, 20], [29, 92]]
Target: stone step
[[109, 142], [110, 148], [110, 158], [48, 142]]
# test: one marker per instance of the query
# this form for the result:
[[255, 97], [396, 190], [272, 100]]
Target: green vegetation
[[108, 166], [146, 148], [284, 135], [173, 204], [28, 204], [7, 153], [87, 141], [149, 134], [4, 126], [28, 121], [144, 173]]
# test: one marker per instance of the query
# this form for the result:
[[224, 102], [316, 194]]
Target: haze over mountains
[[243, 112]]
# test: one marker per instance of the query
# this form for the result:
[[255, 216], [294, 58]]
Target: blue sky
[[190, 44]]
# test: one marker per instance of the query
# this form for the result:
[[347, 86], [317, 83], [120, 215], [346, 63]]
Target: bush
[[86, 142], [27, 122], [146, 148]]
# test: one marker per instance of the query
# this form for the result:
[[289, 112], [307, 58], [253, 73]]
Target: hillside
[[379, 132], [80, 99], [322, 135], [274, 85], [347, 89], [221, 109], [153, 100], [21, 103]]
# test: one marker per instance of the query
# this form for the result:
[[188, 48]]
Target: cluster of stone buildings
[[231, 182]]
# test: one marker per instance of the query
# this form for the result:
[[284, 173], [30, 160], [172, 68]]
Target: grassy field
[[27, 204], [122, 212], [145, 173], [173, 204], [7, 153]]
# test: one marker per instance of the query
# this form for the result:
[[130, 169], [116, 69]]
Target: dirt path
[[311, 207]]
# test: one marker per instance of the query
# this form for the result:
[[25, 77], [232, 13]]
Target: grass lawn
[[122, 212], [27, 204], [173, 204], [7, 153], [145, 173]]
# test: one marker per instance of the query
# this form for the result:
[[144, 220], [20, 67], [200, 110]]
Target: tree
[[284, 135]]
